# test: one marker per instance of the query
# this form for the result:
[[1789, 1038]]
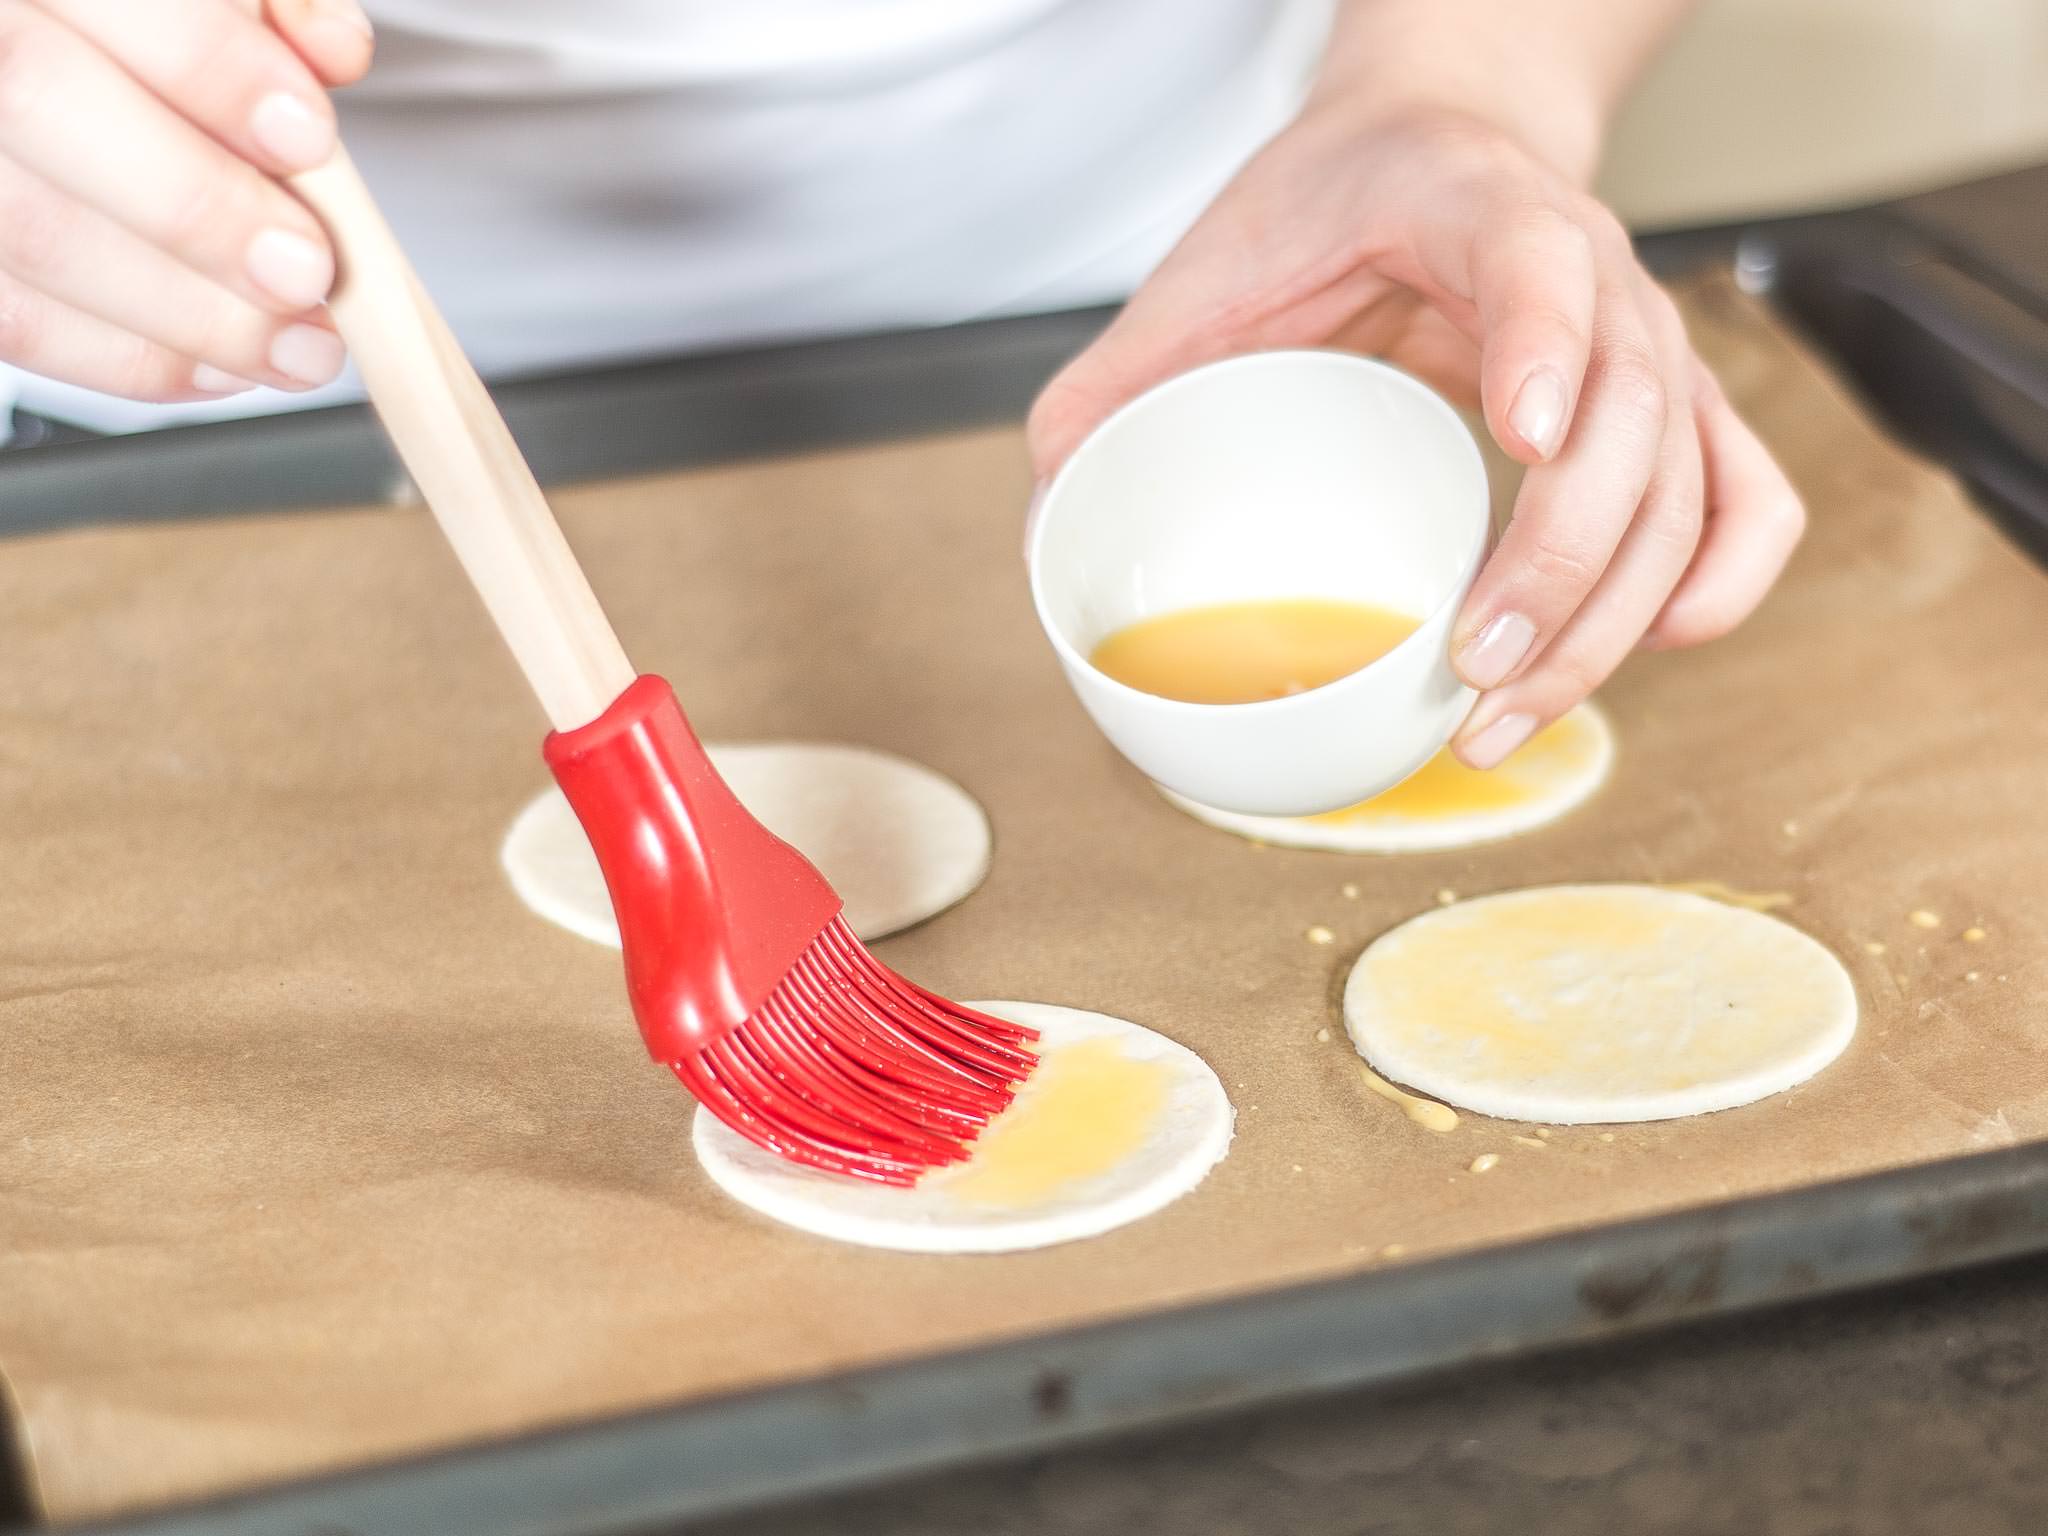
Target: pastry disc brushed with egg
[[899, 842], [1444, 804], [1114, 1123], [1588, 1004]]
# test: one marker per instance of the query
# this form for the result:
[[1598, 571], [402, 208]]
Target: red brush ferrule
[[712, 909]]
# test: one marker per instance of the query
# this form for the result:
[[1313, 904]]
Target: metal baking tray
[[1938, 304], [746, 1449]]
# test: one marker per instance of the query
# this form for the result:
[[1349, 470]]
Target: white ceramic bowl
[[1274, 475]]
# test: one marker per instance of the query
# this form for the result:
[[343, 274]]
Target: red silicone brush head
[[745, 979]]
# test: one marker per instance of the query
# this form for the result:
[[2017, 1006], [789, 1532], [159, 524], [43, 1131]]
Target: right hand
[[1451, 245], [147, 245]]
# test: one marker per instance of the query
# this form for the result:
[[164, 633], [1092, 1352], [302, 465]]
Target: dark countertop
[[1918, 1409]]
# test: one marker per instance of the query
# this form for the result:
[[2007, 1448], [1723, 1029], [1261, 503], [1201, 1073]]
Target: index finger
[[219, 66], [1571, 513]]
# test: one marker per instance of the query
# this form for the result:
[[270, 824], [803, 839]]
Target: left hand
[[1650, 514]]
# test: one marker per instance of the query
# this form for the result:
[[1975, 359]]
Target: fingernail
[[348, 11], [338, 27], [307, 354], [290, 268], [1537, 416], [291, 132], [209, 380], [1489, 747], [1486, 660]]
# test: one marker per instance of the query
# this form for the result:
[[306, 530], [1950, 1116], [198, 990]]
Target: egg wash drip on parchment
[[1722, 891], [1427, 1113]]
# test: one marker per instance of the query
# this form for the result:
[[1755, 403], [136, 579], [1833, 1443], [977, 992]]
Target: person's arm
[[1550, 72], [1429, 205], [147, 247]]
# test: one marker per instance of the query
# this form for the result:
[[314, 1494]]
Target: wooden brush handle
[[460, 453]]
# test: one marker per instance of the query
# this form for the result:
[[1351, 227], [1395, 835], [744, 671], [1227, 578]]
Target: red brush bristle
[[849, 1068]]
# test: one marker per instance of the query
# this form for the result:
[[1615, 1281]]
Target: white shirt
[[580, 181]]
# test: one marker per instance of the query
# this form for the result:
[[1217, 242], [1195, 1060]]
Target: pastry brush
[[742, 972]]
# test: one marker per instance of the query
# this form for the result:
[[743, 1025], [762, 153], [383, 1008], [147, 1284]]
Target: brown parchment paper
[[317, 1147]]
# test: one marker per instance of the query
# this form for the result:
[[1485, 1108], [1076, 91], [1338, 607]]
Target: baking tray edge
[[737, 1451]]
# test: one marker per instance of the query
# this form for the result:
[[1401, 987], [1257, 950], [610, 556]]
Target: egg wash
[[1247, 653]]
